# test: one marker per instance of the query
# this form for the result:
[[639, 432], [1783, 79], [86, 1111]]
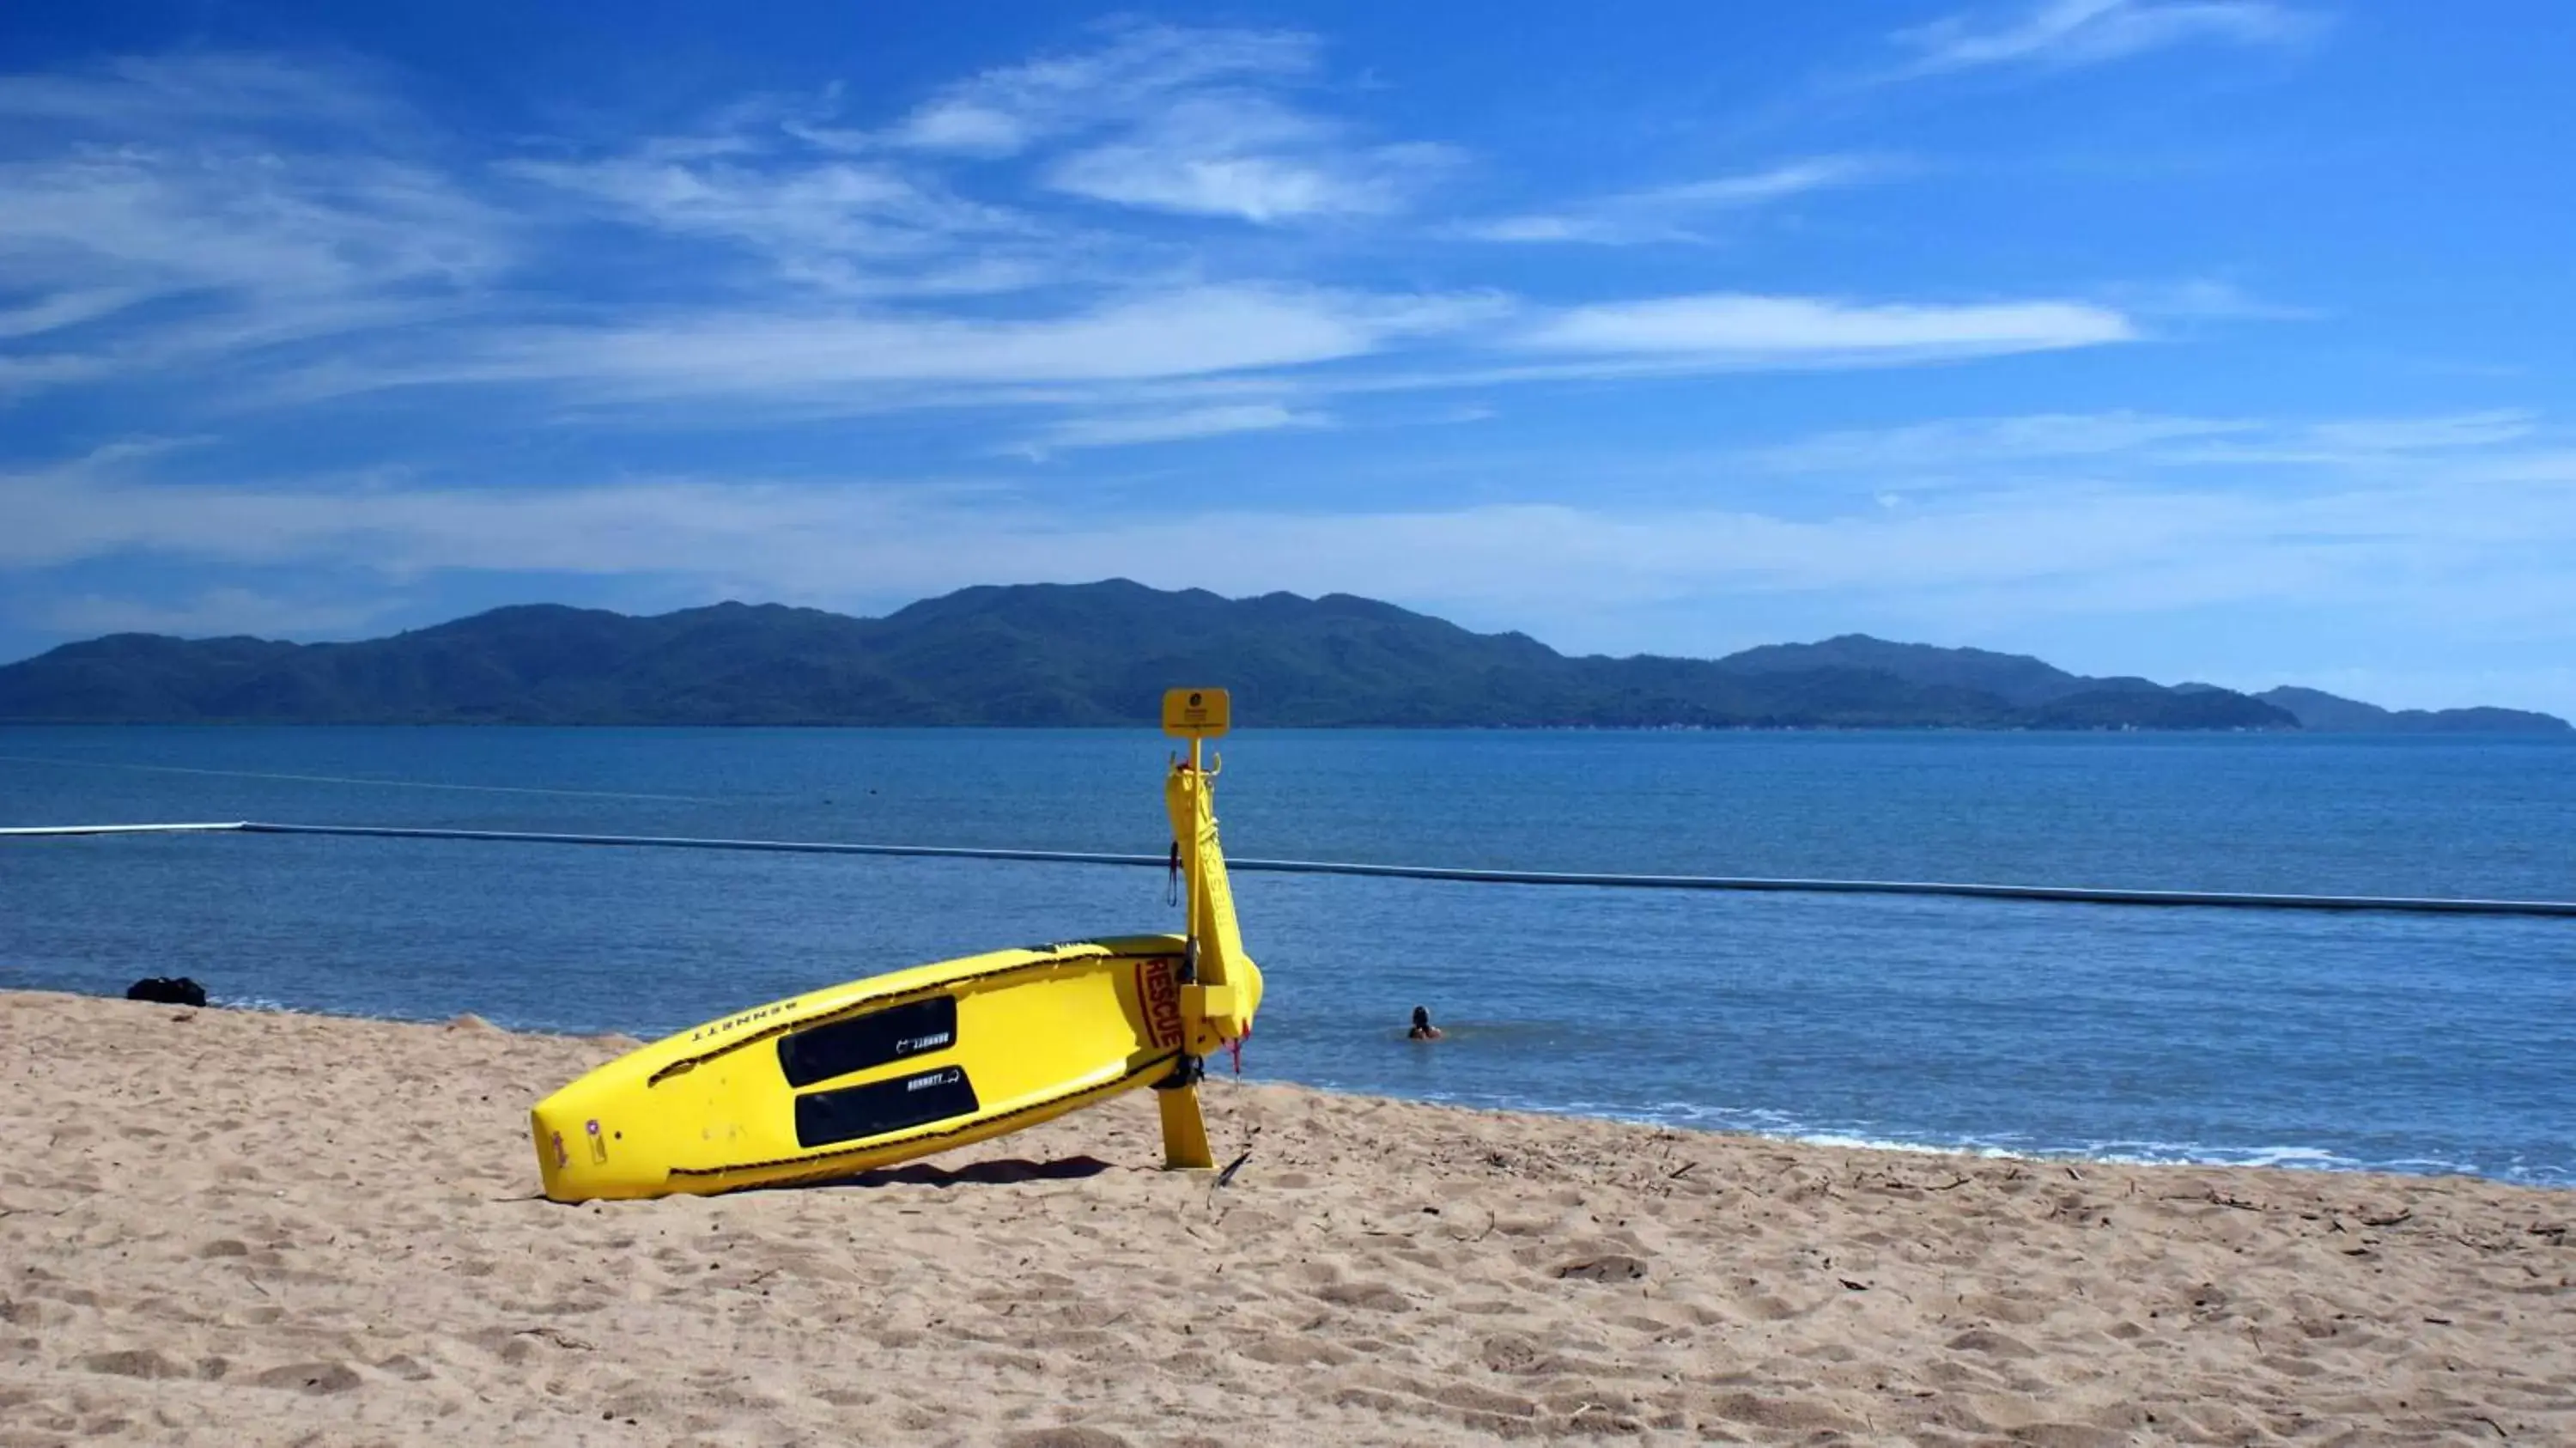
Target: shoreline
[[2326, 1162], [237, 1226]]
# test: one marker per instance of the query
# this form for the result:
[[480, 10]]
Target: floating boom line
[[2058, 894]]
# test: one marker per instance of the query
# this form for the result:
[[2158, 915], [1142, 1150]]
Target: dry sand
[[234, 1228]]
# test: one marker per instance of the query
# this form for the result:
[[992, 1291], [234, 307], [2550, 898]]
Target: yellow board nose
[[573, 1152]]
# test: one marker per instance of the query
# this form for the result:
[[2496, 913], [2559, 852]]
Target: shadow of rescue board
[[868, 1074]]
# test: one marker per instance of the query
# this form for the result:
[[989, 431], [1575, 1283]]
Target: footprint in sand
[[310, 1378], [136, 1363], [1607, 1267]]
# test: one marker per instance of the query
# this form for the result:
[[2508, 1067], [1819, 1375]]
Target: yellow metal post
[[1185, 1142], [1197, 715]]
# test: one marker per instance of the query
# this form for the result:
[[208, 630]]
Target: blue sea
[[2413, 1043]]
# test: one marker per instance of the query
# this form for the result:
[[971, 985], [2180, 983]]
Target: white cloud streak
[[1192, 332], [167, 96], [1673, 213], [1252, 160], [1974, 442], [1732, 326], [1186, 122], [786, 193], [197, 191], [1130, 429], [2064, 34], [1202, 344], [214, 612], [825, 210], [1977, 448], [1134, 76]]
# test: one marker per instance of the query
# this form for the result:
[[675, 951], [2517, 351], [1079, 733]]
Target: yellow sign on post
[[1194, 713]]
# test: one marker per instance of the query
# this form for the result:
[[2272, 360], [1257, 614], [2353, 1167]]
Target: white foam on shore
[[1755, 1121]]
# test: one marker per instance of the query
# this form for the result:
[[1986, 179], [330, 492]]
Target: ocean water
[[2413, 1043]]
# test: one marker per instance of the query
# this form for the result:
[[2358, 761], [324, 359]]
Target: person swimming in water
[[1422, 1030]]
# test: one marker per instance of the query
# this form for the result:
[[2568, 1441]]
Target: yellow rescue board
[[871, 1073]]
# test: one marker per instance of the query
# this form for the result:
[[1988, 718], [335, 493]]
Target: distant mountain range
[[2324, 713], [1101, 654]]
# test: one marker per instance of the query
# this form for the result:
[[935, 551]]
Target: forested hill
[[1088, 654]]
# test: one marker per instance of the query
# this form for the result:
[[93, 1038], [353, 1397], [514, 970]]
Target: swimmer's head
[[1421, 1016]]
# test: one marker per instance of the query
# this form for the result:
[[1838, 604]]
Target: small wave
[[1785, 1126], [1876, 1143]]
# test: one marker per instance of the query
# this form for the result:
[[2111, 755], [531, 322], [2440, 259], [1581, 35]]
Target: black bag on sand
[[164, 990]]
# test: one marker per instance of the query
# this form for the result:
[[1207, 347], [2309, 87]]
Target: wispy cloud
[[66, 309], [1975, 448], [1972, 442], [2205, 299], [23, 375], [1190, 122], [169, 95], [2491, 428], [854, 228], [1162, 347], [1250, 159], [2063, 34], [215, 612], [864, 362], [1130, 429], [1731, 326], [1672, 213], [1134, 76], [242, 202]]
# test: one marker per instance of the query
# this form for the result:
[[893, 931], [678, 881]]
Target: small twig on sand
[[2492, 1423], [1677, 1173], [1226, 1177], [557, 1336], [2389, 1221]]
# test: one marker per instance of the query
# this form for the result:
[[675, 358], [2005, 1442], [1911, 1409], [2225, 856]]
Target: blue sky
[[2212, 339]]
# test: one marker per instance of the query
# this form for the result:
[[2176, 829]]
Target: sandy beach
[[242, 1228]]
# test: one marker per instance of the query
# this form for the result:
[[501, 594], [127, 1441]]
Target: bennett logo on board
[[735, 1023], [1161, 999]]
